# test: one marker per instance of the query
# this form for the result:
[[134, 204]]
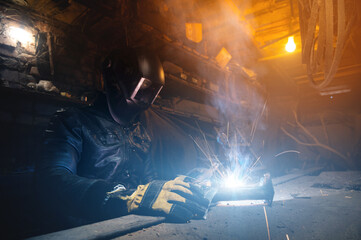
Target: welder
[[96, 161]]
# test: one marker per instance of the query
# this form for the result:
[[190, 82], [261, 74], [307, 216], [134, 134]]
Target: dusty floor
[[327, 206]]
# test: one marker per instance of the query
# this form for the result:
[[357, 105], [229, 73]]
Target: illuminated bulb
[[21, 35], [290, 46]]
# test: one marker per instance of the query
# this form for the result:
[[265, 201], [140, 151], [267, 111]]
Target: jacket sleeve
[[149, 171], [56, 175]]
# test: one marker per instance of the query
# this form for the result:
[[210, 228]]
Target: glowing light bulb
[[290, 46], [21, 35]]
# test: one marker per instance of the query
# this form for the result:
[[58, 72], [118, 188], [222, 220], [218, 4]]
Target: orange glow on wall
[[194, 32], [223, 57]]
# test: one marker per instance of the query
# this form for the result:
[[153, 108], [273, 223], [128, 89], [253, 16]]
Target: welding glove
[[179, 199]]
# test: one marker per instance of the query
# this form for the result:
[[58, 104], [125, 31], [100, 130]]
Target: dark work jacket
[[86, 153]]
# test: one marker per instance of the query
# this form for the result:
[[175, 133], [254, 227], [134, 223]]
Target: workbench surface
[[326, 206]]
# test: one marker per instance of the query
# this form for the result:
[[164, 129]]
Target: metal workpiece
[[260, 191]]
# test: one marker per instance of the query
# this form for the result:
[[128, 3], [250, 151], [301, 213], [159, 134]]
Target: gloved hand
[[179, 199]]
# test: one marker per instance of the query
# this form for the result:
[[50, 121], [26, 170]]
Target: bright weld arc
[[231, 181], [235, 175]]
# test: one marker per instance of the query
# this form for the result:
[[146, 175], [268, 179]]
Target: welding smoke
[[241, 114], [239, 101]]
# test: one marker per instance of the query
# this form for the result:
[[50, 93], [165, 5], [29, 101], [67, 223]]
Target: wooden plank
[[105, 229]]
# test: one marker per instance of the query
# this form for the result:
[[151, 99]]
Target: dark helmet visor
[[146, 92]]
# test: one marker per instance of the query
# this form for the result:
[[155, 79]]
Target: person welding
[[96, 161]]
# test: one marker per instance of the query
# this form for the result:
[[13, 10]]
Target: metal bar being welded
[[262, 191]]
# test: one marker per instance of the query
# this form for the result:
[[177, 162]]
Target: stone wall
[[33, 50], [44, 66]]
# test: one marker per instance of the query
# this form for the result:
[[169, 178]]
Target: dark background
[[201, 98]]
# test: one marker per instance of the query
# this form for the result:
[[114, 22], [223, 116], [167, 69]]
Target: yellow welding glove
[[178, 199]]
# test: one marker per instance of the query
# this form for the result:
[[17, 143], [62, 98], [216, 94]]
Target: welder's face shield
[[145, 92], [133, 80]]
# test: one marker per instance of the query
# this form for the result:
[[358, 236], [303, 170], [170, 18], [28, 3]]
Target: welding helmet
[[133, 79]]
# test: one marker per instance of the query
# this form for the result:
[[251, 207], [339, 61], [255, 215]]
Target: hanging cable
[[318, 48]]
